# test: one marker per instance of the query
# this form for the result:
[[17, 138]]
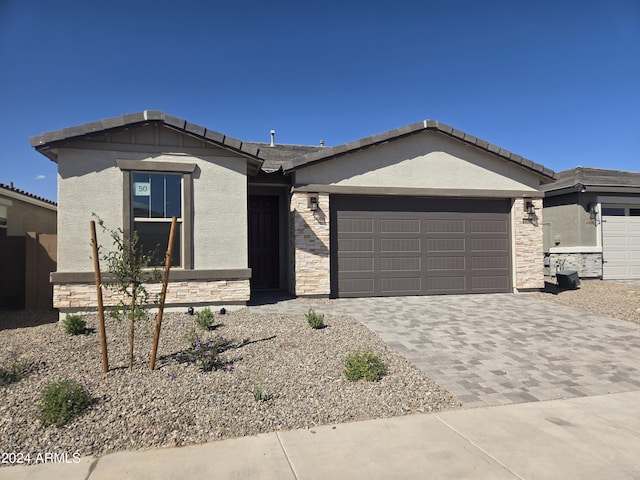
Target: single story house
[[423, 209], [28, 226], [592, 223]]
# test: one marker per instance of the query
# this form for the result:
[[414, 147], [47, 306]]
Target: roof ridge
[[26, 194]]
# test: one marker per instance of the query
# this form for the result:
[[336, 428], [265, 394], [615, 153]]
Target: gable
[[426, 159]]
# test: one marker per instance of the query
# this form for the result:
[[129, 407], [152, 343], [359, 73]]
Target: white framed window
[[3, 220]]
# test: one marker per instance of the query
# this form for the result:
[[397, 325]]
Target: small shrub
[[259, 393], [204, 318], [74, 325], [206, 353], [62, 401], [13, 368], [364, 365], [315, 320]]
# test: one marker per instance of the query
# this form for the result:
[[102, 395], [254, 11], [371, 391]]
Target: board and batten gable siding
[[424, 160], [89, 181]]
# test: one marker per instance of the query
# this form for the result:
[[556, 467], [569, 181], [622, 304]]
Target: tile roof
[[431, 125], [19, 191], [593, 179], [49, 140], [276, 156]]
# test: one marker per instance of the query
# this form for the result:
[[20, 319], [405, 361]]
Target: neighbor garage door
[[385, 246], [621, 242]]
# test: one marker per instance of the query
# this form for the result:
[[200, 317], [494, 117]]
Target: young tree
[[129, 269]]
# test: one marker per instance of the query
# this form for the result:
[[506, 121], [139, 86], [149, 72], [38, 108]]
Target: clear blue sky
[[556, 81]]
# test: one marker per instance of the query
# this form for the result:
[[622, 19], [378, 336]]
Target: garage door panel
[[460, 249], [355, 245], [446, 263], [400, 225], [355, 225], [490, 263], [397, 286], [447, 284], [400, 264], [445, 226], [357, 286], [400, 245], [489, 283], [355, 264], [489, 226], [435, 245], [489, 245]]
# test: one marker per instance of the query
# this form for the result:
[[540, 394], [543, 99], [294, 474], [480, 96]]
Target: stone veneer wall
[[312, 270], [81, 295], [529, 256], [588, 265]]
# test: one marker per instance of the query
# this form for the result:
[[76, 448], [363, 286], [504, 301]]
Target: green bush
[[315, 320], [206, 353], [204, 318], [363, 365], [62, 401], [74, 325], [13, 368]]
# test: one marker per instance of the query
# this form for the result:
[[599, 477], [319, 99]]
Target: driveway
[[498, 349]]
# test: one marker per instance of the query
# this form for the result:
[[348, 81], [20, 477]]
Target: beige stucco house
[[592, 223], [424, 209]]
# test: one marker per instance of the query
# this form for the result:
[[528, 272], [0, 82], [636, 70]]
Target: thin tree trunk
[[133, 319]]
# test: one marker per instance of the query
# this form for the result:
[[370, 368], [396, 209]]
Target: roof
[[594, 180], [427, 125], [276, 156], [50, 140], [17, 193]]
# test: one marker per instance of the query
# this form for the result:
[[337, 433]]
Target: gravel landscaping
[[607, 298], [298, 369]]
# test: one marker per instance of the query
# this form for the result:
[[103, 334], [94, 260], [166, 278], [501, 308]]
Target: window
[[3, 221], [613, 211], [634, 212], [155, 198]]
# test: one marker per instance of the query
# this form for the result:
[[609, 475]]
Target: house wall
[[90, 181], [424, 160], [28, 216]]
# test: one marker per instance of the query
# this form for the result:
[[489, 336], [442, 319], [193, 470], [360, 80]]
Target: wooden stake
[[96, 267], [165, 281]]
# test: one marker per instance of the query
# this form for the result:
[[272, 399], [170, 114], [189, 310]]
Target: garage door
[[385, 246], [621, 242]]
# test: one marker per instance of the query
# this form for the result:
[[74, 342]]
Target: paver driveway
[[499, 349]]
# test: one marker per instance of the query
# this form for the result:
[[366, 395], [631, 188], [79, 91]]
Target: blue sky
[[556, 81]]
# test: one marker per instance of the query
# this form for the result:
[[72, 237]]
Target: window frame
[[128, 167]]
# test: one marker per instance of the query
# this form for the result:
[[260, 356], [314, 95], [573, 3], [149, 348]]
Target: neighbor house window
[[3, 221], [155, 198]]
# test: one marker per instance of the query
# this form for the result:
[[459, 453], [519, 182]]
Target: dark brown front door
[[263, 241]]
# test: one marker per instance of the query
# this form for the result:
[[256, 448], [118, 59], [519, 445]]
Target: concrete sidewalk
[[588, 438]]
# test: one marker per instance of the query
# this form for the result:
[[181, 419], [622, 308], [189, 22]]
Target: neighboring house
[[424, 209], [27, 248], [22, 212], [592, 223]]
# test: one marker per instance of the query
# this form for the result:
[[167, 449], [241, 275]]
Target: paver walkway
[[498, 349]]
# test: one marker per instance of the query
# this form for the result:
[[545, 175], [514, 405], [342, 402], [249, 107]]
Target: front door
[[264, 258]]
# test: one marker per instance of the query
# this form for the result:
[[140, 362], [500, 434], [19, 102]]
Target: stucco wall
[[424, 160], [90, 181], [23, 216], [568, 223]]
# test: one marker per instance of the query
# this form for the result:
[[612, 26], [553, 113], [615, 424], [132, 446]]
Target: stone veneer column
[[311, 245], [529, 256]]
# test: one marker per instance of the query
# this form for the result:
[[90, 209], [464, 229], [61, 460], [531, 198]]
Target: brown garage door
[[385, 246]]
